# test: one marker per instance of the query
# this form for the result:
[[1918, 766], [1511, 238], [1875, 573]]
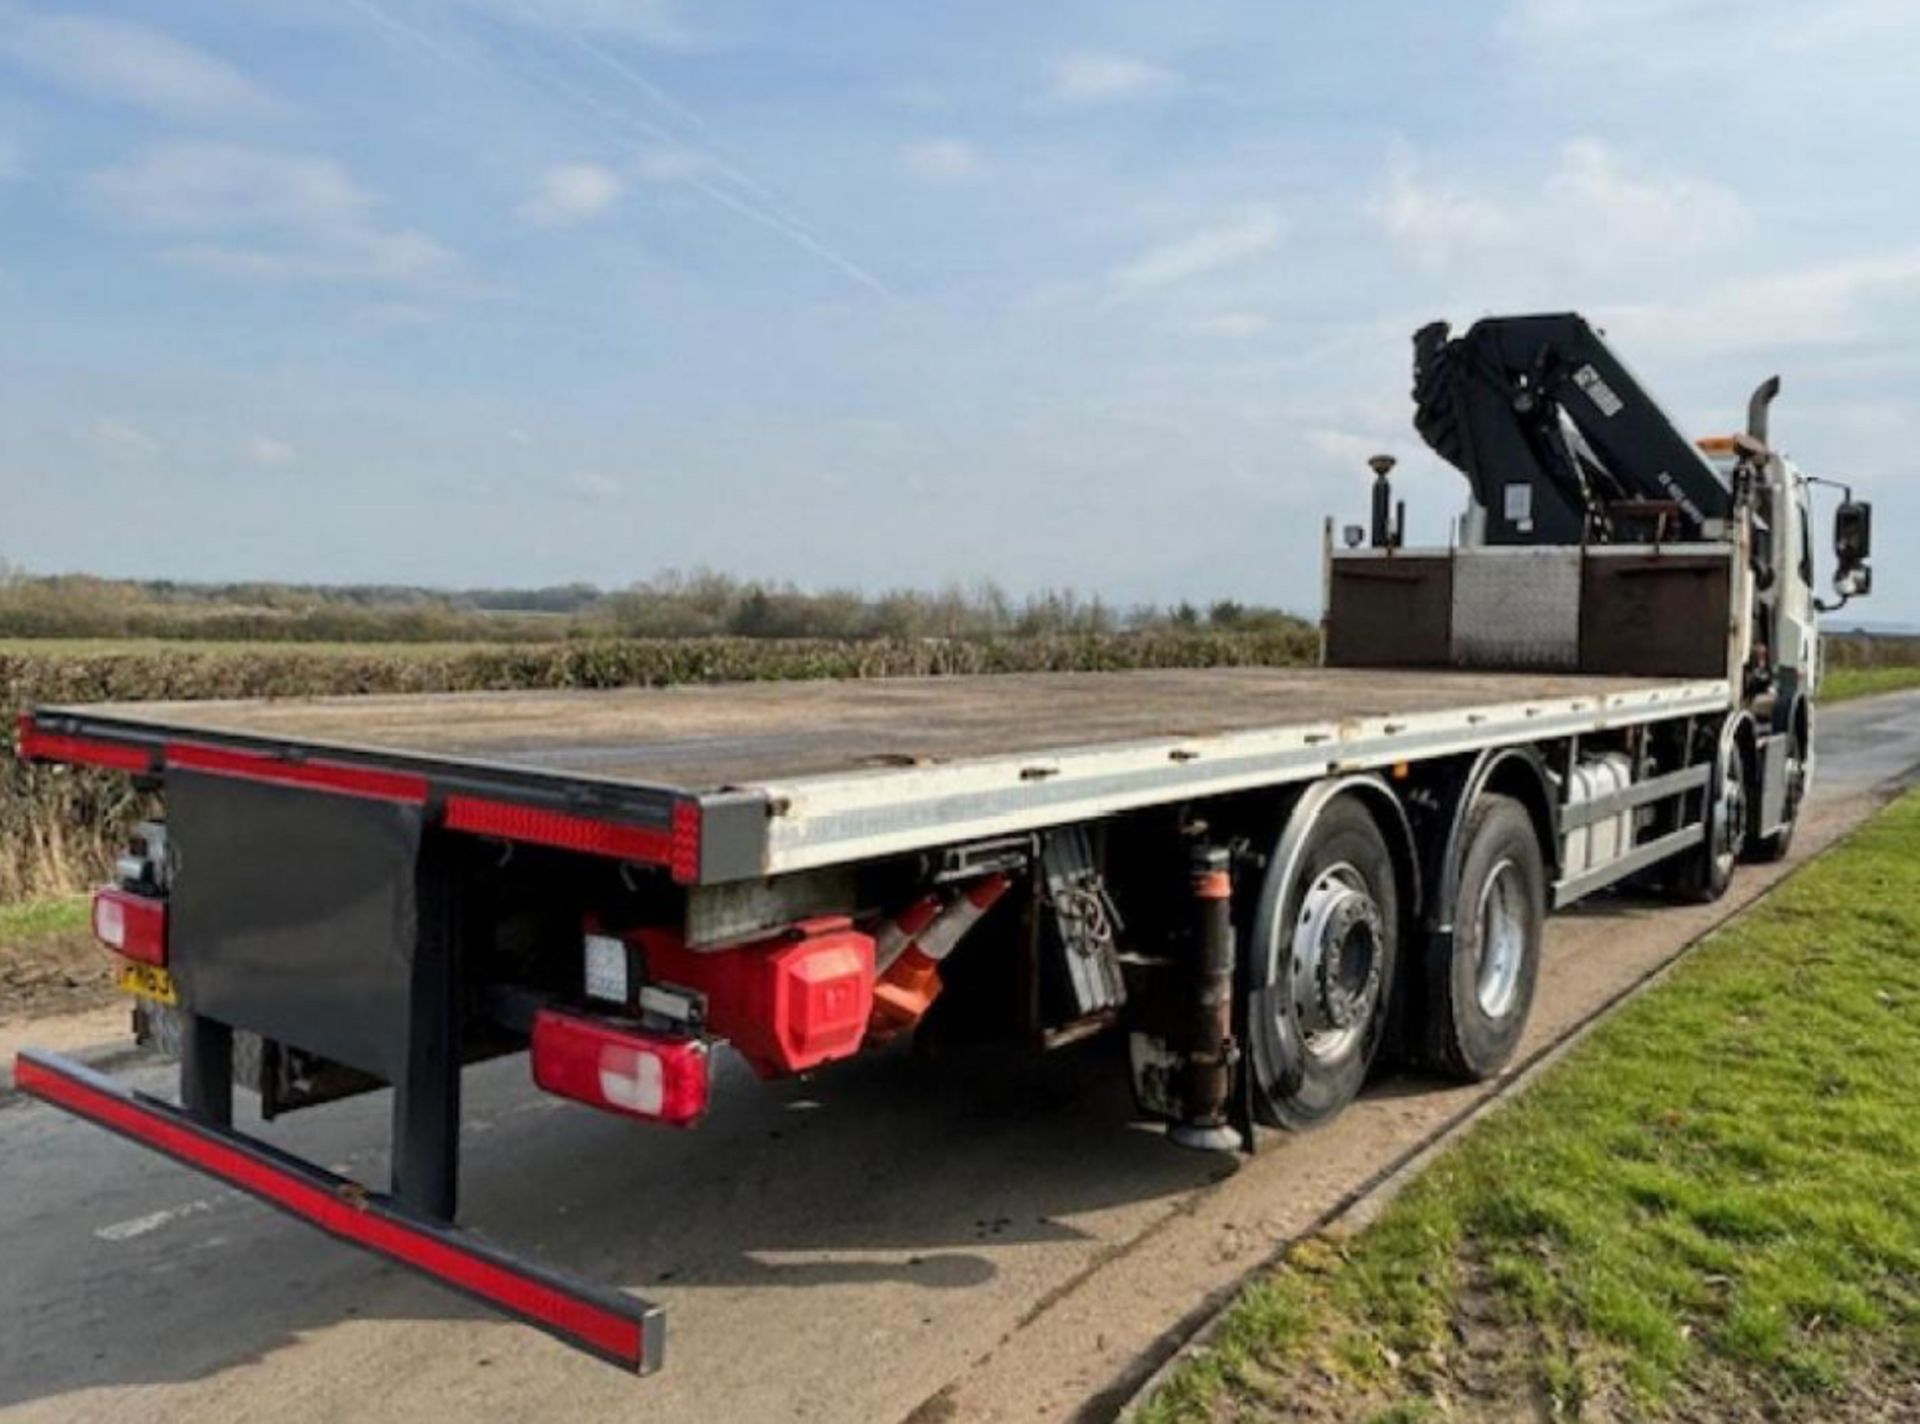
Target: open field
[[1707, 1209], [1843, 683], [1861, 664]]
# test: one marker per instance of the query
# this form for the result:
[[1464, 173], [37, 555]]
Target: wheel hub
[[1336, 960]]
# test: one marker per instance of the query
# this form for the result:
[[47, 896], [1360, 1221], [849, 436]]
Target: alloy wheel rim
[[1503, 939]]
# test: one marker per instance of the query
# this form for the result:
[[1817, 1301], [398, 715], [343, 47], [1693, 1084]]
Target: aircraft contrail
[[766, 212]]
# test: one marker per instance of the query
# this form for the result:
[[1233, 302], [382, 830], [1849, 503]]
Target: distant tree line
[[700, 603]]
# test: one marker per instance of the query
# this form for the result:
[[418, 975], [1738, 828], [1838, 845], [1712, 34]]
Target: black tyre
[[1320, 967], [1703, 874], [1476, 987]]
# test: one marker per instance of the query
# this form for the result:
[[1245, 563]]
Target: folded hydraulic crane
[[1560, 443]]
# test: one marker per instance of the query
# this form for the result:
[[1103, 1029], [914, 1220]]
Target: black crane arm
[[1554, 434]]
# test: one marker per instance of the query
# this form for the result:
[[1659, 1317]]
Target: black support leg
[[206, 1070], [426, 1100]]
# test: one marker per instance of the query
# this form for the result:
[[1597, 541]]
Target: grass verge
[[48, 960], [1843, 683], [1711, 1208], [36, 919]]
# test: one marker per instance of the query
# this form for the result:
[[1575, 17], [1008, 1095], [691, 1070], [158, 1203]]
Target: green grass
[[37, 919], [1717, 1190], [1840, 684]]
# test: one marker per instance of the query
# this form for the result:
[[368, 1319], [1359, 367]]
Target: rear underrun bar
[[607, 1323]]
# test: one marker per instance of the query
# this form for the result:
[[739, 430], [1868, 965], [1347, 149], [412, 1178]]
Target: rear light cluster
[[787, 1004], [619, 1067], [133, 926], [130, 918]]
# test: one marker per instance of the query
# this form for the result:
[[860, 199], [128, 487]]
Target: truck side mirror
[[1852, 534]]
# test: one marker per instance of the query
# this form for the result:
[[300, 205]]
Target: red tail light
[[648, 1076], [134, 926]]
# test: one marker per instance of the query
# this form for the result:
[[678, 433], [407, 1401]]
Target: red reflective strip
[[684, 861], [343, 1214], [37, 745], [538, 826], [322, 775]]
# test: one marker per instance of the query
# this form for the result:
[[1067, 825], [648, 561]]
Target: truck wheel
[[1321, 966], [1703, 873], [1766, 849], [1478, 982]]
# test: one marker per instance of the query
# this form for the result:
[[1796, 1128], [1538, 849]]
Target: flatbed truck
[[1265, 880]]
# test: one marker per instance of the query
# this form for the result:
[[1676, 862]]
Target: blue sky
[[1112, 295]]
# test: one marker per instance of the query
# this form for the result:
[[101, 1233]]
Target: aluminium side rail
[[826, 820]]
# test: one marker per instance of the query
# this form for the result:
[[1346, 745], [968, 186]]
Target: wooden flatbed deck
[[705, 738]]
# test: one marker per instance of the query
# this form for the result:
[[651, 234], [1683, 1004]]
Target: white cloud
[[1200, 252], [1651, 44], [944, 160], [1236, 324], [1662, 210], [268, 450], [1433, 221], [403, 256], [304, 216], [1826, 304], [595, 487], [128, 62], [1593, 210], [209, 186], [1095, 78], [571, 193], [116, 437]]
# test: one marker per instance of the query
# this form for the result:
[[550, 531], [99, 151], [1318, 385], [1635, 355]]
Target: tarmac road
[[995, 1241]]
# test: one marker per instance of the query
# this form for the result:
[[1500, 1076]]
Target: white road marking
[[152, 1221]]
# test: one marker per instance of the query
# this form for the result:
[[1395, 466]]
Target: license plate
[[147, 981]]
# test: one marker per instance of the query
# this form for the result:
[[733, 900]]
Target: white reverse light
[[633, 1079], [606, 968], [110, 922]]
